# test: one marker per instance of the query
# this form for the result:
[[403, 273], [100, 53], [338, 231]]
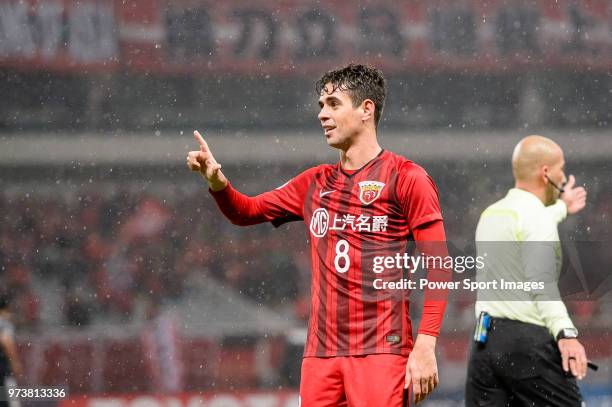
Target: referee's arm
[[540, 265]]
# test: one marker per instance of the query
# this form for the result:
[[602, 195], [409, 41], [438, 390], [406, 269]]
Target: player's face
[[339, 118]]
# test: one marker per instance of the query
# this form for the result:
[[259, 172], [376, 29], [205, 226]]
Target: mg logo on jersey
[[369, 191], [319, 222]]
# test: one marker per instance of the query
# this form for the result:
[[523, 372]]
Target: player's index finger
[[200, 140]]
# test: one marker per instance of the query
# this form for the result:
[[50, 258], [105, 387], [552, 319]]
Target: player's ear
[[368, 108]]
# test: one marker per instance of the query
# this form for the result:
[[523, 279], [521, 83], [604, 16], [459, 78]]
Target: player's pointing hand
[[204, 162]]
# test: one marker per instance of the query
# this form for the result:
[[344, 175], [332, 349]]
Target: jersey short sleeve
[[417, 195]]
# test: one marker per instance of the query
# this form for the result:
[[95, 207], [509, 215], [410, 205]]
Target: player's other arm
[[431, 241], [283, 203], [422, 367], [418, 196]]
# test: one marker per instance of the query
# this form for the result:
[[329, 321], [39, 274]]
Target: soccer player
[[359, 349]]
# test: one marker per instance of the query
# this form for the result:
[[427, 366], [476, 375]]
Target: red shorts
[[355, 381]]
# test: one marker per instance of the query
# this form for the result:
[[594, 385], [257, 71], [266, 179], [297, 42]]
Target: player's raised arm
[[277, 206], [204, 162]]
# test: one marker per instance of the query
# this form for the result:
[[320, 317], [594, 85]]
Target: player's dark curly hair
[[361, 81]]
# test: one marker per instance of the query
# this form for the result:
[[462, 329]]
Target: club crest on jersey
[[369, 191]]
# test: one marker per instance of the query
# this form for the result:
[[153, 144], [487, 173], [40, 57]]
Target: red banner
[[193, 36], [305, 36], [61, 35]]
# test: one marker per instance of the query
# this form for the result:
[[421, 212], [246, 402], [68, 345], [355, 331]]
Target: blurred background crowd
[[114, 245]]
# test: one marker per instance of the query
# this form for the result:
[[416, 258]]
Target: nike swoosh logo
[[323, 193]]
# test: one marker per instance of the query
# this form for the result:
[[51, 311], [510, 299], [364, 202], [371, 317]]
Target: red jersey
[[351, 218]]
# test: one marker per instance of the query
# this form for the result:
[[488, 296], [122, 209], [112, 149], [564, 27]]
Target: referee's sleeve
[[558, 211], [540, 254]]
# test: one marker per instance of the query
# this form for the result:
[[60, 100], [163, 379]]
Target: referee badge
[[369, 191]]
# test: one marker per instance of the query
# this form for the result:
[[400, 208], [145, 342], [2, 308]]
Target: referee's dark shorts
[[520, 365]]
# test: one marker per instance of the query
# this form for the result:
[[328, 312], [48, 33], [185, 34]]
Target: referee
[[526, 350]]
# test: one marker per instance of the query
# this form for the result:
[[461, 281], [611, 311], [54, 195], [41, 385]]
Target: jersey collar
[[363, 167]]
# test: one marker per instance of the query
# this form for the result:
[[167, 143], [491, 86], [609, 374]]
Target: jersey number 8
[[342, 248]]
